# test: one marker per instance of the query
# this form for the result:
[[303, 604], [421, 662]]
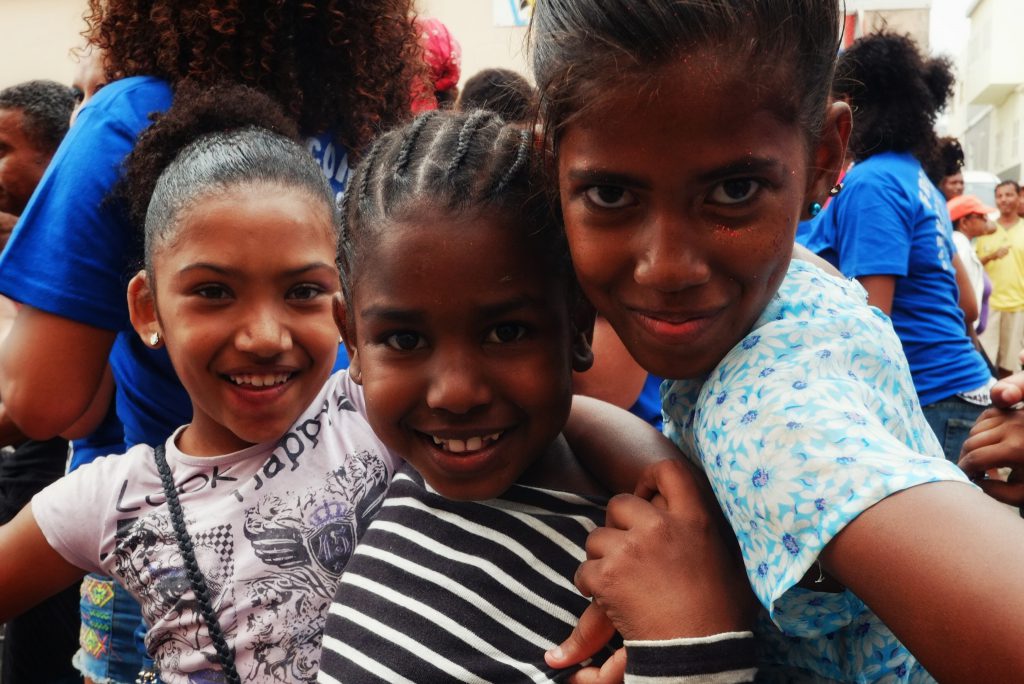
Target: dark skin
[[997, 441]]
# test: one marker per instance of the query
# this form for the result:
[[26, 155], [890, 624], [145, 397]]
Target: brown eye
[[505, 333], [406, 341], [608, 196], [734, 191]]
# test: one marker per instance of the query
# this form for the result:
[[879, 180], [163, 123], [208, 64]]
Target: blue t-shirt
[[891, 220], [808, 421], [73, 252], [648, 403]]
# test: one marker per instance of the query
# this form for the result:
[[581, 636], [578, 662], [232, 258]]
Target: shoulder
[[129, 102]]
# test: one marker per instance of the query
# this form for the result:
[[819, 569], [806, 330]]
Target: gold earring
[[154, 339]]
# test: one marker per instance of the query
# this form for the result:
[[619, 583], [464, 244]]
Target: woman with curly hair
[[341, 68], [889, 228]]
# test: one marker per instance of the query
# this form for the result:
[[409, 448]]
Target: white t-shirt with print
[[272, 525]]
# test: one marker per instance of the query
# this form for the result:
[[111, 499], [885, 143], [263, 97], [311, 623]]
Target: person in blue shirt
[[889, 227]]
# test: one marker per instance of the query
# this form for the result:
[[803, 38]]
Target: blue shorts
[[110, 652]]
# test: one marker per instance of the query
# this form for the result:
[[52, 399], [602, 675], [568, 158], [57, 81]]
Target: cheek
[[596, 258]]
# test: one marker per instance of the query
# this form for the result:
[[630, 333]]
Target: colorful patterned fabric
[[811, 419]]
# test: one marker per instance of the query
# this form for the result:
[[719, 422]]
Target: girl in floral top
[[689, 138]]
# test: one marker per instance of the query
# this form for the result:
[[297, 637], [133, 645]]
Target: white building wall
[[35, 39], [988, 109]]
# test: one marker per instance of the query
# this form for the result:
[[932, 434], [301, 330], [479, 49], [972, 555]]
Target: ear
[[347, 332], [583, 315], [142, 310], [829, 156]]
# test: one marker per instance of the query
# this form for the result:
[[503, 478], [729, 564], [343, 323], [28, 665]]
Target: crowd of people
[[369, 377]]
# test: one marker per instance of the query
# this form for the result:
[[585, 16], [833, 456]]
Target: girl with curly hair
[[341, 68], [890, 229]]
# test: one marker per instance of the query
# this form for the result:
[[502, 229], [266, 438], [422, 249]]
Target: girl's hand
[[664, 566], [997, 441], [1009, 391]]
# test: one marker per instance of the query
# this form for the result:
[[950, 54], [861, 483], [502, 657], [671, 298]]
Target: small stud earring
[[154, 339], [836, 189], [814, 209]]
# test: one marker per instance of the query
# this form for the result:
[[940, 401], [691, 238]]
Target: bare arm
[[880, 289], [940, 565], [968, 301], [614, 445], [31, 570], [97, 410], [40, 393]]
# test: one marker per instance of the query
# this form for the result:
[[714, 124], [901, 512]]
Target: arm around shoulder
[[614, 445]]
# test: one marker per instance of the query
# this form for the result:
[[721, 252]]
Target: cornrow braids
[[452, 161]]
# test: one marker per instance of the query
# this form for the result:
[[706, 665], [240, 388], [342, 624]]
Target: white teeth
[[459, 446], [254, 380]]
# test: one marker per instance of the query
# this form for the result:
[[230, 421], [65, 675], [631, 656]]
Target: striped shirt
[[464, 591]]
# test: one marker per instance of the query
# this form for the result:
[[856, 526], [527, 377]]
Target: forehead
[[702, 109], [12, 127], [265, 218], [443, 259]]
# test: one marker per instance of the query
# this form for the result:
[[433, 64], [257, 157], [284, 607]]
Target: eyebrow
[[758, 165], [411, 316], [301, 270]]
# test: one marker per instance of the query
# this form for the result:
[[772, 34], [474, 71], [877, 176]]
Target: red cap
[[966, 204]]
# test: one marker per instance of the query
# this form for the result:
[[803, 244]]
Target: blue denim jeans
[[952, 419], [109, 652]]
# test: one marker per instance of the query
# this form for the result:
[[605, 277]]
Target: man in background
[[39, 644]]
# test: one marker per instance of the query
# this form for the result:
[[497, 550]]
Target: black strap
[[195, 576]]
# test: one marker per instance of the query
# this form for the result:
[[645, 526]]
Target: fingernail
[[556, 653]]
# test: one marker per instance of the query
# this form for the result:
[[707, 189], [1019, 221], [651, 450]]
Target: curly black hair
[[947, 159], [339, 66], [197, 111], [896, 94]]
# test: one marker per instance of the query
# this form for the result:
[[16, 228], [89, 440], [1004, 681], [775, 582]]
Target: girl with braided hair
[[341, 68], [232, 532], [463, 326]]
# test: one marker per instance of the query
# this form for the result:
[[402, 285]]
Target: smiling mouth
[[464, 446], [259, 380]]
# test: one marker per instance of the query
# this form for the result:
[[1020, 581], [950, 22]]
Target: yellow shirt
[[1007, 273]]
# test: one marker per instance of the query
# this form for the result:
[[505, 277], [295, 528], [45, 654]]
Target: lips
[[675, 327]]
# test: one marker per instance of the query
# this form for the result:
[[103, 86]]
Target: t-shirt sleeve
[[800, 429], [353, 392], [873, 227], [727, 658], [72, 512], [71, 251]]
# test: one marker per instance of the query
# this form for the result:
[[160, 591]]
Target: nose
[[670, 258], [263, 333], [457, 383]]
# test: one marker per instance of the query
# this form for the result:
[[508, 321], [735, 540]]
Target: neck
[[559, 470], [1008, 219]]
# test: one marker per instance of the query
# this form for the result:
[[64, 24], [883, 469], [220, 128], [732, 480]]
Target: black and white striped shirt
[[455, 591]]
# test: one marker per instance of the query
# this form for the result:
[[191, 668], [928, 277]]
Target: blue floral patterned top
[[809, 420]]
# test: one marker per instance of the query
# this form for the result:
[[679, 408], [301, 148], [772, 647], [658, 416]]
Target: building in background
[[988, 109], [902, 16]]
